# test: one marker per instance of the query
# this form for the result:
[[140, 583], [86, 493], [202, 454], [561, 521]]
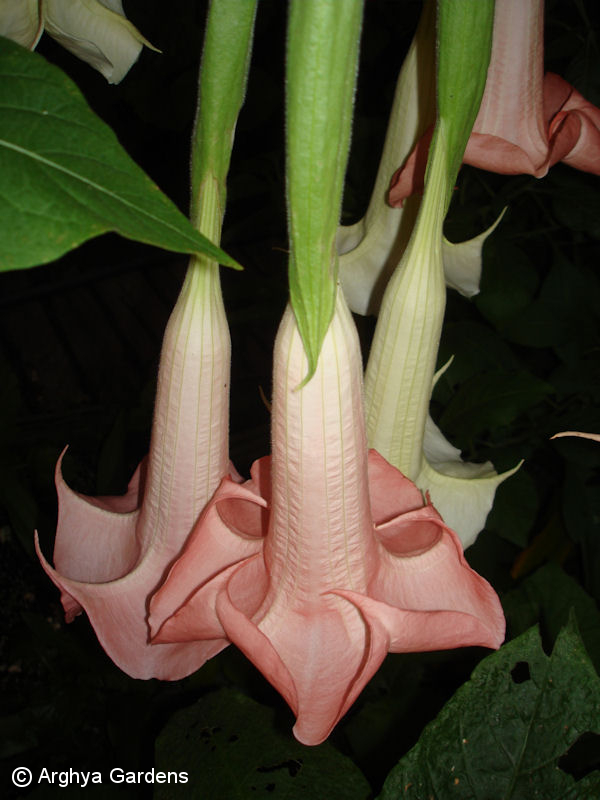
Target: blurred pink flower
[[327, 558], [111, 553], [527, 121]]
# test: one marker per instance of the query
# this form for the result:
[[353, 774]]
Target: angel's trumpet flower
[[96, 31], [111, 553], [327, 558], [527, 121]]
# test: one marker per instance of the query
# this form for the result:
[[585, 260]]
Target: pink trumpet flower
[[527, 121], [111, 553], [327, 558]]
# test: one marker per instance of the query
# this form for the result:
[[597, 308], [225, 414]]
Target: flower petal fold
[[461, 491], [20, 21], [463, 261], [97, 32], [99, 567]]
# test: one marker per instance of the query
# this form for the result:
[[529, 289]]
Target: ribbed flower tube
[[111, 553], [401, 365], [328, 557], [319, 468]]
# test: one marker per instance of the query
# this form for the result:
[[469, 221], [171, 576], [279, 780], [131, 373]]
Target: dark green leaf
[[64, 178], [231, 747], [547, 596], [503, 733]]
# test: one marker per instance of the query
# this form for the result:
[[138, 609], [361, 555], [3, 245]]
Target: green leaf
[[64, 178], [231, 747], [502, 734], [547, 596], [322, 60]]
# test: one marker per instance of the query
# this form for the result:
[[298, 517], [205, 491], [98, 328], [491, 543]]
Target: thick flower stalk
[[527, 121], [96, 31], [112, 553], [327, 558]]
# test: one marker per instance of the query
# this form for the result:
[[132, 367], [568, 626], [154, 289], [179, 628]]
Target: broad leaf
[[503, 733], [230, 747], [64, 178], [547, 596]]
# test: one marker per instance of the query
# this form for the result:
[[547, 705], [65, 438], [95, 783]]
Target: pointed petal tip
[[594, 436]]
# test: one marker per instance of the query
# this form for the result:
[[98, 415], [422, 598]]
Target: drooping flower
[[111, 553], [96, 31], [327, 558], [527, 121]]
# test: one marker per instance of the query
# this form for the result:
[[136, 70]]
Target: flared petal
[[423, 631], [97, 32], [99, 568], [463, 261], [413, 576], [574, 130], [461, 491], [230, 530], [319, 659], [112, 553], [20, 21]]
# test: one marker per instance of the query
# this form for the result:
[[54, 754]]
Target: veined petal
[[97, 32], [100, 568], [20, 21], [230, 530], [574, 130], [354, 563], [423, 631]]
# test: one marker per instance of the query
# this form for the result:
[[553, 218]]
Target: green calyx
[[322, 57]]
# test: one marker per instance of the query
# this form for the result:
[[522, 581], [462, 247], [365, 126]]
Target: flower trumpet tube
[[527, 121], [329, 557], [111, 553], [96, 31]]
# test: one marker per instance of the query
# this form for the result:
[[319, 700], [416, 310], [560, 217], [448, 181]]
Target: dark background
[[79, 344]]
